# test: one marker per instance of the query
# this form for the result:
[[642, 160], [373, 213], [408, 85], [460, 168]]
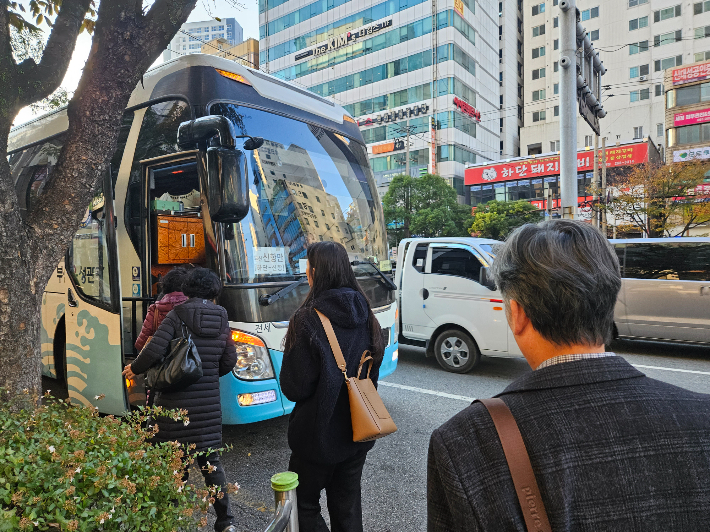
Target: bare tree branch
[[37, 81]]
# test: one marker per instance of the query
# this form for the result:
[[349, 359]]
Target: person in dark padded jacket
[[207, 324], [320, 431]]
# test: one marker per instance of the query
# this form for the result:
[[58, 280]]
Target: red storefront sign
[[467, 109], [691, 73], [691, 117], [548, 166]]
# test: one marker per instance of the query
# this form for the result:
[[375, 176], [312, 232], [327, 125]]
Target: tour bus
[[220, 166]]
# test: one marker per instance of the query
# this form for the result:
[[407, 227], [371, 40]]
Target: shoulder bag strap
[[333, 340], [156, 316], [519, 464]]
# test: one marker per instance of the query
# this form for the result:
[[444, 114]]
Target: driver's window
[[457, 262]]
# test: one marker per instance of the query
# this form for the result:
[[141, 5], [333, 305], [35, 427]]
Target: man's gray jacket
[[612, 450]]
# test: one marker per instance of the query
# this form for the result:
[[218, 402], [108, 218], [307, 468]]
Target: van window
[[419, 258], [679, 261], [457, 262]]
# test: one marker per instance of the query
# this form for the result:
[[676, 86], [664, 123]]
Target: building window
[[556, 88], [638, 23], [556, 44], [643, 94], [668, 38], [538, 30], [701, 7], [638, 47], [659, 130], [556, 110], [588, 140], [538, 95], [702, 32], [641, 70], [665, 14], [538, 52], [554, 145], [538, 116], [692, 134], [590, 13], [537, 9], [594, 35], [555, 66], [538, 73], [634, 3], [702, 56], [638, 132], [520, 48], [556, 21], [669, 62], [659, 89]]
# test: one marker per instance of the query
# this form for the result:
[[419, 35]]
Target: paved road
[[420, 396]]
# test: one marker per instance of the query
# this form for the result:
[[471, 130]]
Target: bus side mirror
[[228, 191], [486, 279], [253, 143]]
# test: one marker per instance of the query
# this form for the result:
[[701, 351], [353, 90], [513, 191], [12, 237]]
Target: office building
[[637, 40], [246, 53], [512, 79], [391, 68], [193, 35]]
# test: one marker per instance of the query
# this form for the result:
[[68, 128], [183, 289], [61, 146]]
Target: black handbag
[[179, 369]]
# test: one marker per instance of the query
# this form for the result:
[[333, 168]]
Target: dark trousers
[[216, 478], [342, 489]]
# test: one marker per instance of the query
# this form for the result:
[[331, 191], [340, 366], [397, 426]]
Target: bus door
[[94, 359]]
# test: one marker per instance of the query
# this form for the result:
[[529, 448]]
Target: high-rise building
[[394, 69], [192, 35], [245, 53], [637, 41], [512, 79]]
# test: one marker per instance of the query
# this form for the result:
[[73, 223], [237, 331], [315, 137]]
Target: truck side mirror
[[486, 279], [227, 188]]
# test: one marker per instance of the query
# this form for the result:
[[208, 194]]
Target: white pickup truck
[[448, 303]]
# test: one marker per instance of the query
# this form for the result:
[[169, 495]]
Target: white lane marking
[[428, 392], [673, 369]]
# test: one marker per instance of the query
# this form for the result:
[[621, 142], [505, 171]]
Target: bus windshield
[[306, 184]]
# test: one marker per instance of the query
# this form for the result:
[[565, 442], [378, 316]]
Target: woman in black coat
[[208, 326], [320, 430]]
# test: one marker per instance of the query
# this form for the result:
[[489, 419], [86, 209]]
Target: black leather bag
[[179, 369]]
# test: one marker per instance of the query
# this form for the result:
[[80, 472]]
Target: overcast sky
[[248, 18]]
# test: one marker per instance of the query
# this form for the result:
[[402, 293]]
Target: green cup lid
[[285, 481]]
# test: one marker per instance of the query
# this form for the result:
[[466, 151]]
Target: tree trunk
[[125, 44]]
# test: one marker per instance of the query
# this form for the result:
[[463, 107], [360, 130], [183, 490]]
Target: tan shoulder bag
[[368, 414]]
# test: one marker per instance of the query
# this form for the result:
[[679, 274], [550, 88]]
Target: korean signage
[[393, 116], [344, 39], [269, 261], [690, 154], [691, 117], [467, 109], [691, 73], [395, 145], [548, 166], [458, 7]]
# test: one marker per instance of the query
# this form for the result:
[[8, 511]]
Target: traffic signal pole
[[568, 108]]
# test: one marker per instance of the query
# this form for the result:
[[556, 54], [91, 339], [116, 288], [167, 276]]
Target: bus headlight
[[253, 360]]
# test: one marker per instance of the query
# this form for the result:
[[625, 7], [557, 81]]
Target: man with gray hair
[[611, 449]]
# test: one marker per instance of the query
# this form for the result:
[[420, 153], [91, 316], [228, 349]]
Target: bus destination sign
[[344, 39]]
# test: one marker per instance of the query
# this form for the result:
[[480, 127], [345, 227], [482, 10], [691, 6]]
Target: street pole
[[407, 148], [568, 108], [603, 199], [595, 183]]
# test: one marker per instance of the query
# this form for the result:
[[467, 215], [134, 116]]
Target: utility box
[[180, 240]]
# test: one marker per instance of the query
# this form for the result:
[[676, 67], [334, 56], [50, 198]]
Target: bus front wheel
[[456, 351]]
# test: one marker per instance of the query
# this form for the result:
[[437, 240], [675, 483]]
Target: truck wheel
[[455, 351]]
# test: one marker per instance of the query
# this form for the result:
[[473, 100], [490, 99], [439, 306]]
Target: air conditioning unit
[[643, 78]]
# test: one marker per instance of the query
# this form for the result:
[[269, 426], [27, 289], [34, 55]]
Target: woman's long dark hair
[[330, 269]]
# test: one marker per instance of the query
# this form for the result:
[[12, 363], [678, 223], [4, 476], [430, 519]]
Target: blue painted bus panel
[[232, 414], [277, 360]]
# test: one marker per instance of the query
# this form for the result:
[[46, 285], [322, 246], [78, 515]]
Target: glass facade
[[396, 68], [377, 43], [526, 189]]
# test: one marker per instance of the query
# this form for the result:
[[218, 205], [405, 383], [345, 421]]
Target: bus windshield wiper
[[268, 299], [388, 282]]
